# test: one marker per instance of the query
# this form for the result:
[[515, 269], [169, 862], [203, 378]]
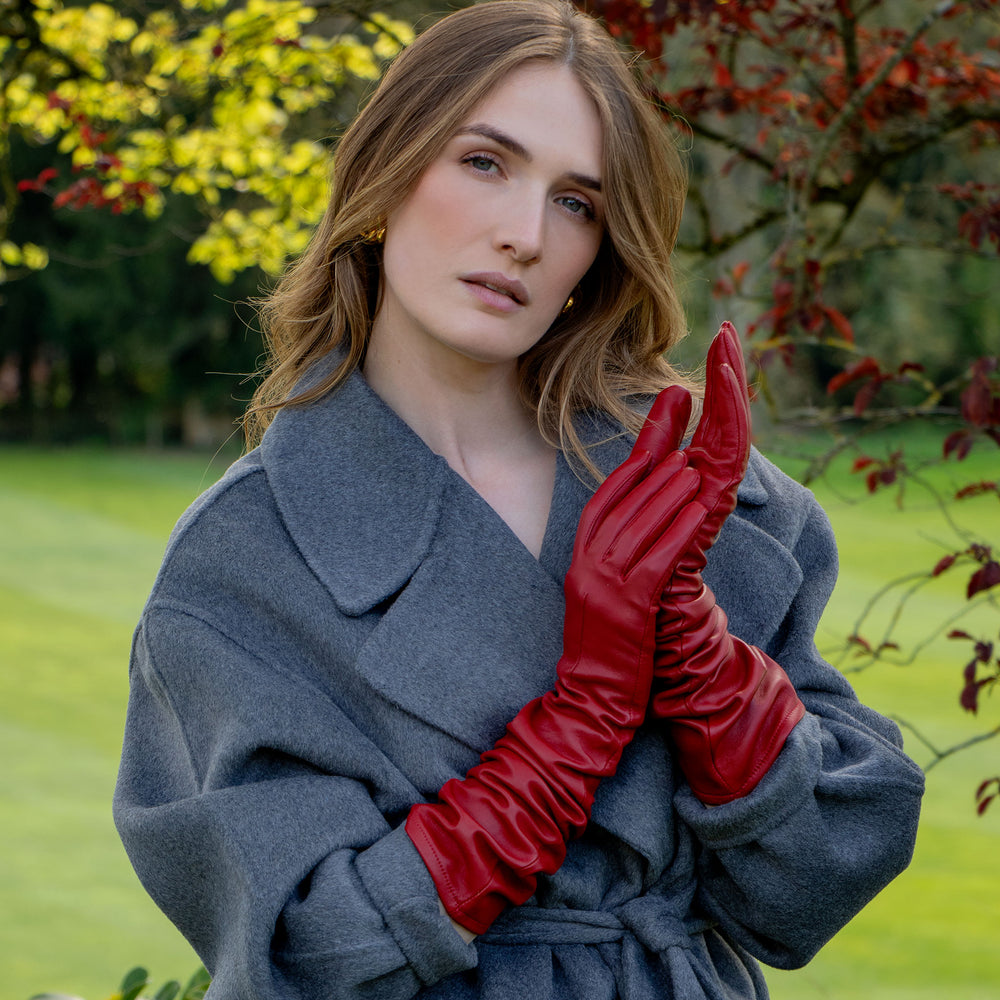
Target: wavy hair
[[610, 346]]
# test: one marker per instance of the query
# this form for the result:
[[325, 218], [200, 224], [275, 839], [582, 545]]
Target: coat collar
[[359, 492], [362, 495]]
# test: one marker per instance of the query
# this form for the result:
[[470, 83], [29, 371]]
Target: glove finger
[[663, 490], [663, 531], [666, 488], [666, 423], [661, 559], [618, 485], [721, 443], [661, 435]]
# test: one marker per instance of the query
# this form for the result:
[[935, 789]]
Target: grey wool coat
[[342, 624]]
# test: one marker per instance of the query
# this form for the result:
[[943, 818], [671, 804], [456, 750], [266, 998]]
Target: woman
[[434, 694]]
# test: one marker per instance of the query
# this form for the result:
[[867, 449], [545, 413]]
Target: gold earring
[[569, 305], [376, 235]]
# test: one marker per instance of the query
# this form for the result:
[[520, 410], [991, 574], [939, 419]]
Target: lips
[[493, 281]]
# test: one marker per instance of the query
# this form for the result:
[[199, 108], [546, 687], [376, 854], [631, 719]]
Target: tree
[[198, 119], [831, 140], [207, 101]]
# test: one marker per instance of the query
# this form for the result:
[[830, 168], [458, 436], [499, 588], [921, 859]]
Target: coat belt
[[652, 920]]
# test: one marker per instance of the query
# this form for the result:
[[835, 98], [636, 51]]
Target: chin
[[494, 353]]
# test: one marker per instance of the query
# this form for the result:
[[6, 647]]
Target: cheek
[[418, 233], [438, 209]]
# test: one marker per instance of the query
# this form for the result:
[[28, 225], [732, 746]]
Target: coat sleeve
[[265, 825], [834, 820]]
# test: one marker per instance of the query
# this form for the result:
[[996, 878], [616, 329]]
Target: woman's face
[[484, 252]]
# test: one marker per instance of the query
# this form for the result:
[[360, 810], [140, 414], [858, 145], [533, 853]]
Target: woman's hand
[[730, 706], [490, 834]]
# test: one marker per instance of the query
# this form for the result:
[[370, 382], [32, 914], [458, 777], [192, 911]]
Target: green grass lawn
[[82, 535]]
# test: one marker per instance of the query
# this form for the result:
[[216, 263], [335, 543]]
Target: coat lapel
[[465, 625], [359, 492], [475, 633]]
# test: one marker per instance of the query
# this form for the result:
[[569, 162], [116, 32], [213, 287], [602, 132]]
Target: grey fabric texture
[[341, 624]]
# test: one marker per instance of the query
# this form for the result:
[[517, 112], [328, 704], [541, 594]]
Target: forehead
[[546, 109]]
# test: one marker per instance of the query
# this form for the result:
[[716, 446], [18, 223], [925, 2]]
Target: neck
[[467, 411], [470, 413]]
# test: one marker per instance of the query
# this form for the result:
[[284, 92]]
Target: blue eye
[[482, 163], [577, 207]]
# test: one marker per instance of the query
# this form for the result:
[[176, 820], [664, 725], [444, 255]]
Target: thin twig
[[940, 755]]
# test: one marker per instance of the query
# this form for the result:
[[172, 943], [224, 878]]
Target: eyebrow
[[510, 143]]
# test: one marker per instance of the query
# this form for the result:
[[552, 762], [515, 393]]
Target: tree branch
[[748, 153], [940, 755], [849, 39], [715, 246], [860, 96], [917, 136], [892, 243]]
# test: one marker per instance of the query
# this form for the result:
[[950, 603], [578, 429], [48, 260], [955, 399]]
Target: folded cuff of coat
[[789, 784], [399, 884]]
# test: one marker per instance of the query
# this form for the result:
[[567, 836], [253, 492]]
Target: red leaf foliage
[[958, 443], [941, 566], [863, 644], [978, 489], [773, 77], [797, 296], [40, 182], [866, 367], [973, 683], [645, 24], [981, 221], [55, 101], [985, 799], [84, 193], [883, 471], [865, 647], [969, 698], [840, 323], [88, 192], [90, 138], [869, 370], [984, 578], [980, 408], [981, 397]]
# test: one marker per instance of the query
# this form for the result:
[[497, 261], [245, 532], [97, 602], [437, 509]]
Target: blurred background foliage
[[165, 158]]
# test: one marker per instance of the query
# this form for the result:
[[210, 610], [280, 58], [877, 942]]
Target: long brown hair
[[610, 346]]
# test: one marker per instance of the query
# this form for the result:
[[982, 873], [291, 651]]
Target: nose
[[521, 228]]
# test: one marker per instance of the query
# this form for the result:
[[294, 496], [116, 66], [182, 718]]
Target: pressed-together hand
[[731, 707], [490, 834]]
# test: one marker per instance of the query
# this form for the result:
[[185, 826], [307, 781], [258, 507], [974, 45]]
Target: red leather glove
[[731, 707], [490, 834]]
